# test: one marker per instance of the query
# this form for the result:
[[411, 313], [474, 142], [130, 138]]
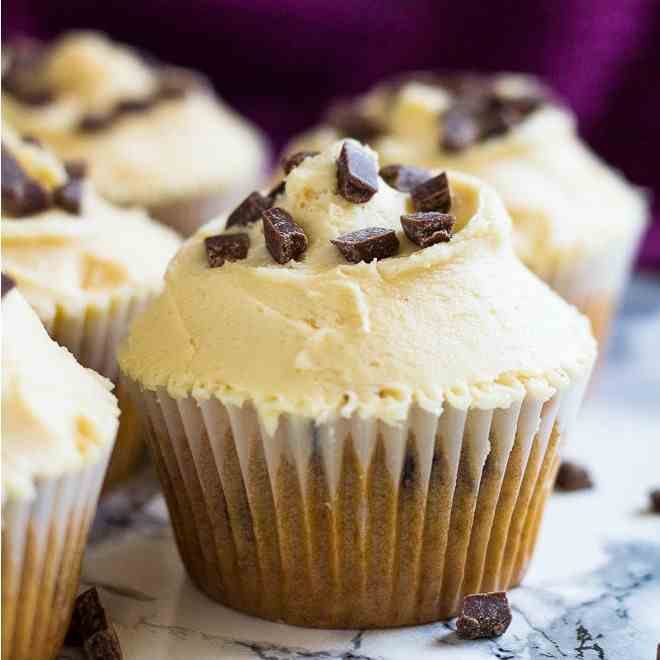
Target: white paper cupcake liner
[[43, 540], [357, 523]]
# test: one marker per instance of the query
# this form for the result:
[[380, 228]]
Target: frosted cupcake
[[85, 266], [577, 223], [356, 396], [153, 135], [58, 426]]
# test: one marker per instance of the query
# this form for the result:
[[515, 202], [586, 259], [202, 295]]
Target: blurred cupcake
[[577, 223], [153, 135], [356, 396], [85, 266], [58, 426]]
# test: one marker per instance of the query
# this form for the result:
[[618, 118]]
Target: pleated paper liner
[[356, 523], [43, 540]]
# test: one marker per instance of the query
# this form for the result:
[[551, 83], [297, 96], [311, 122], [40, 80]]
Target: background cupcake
[[353, 444], [58, 426], [577, 223], [85, 266], [153, 135]]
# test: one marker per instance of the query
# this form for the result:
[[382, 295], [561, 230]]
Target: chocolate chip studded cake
[[356, 395], [153, 135], [577, 223], [87, 267]]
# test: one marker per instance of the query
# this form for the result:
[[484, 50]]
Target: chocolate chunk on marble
[[432, 195], [226, 247], [367, 244], [654, 497], [7, 284], [425, 229], [69, 196], [249, 210], [357, 176], [285, 239], [21, 195], [91, 628], [484, 616], [404, 177], [291, 162], [571, 477], [76, 169]]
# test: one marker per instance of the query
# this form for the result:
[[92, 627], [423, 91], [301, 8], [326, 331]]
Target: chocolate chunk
[[225, 247], [291, 162], [349, 121], [91, 628], [23, 58], [428, 228], [276, 191], [367, 244], [175, 82], [103, 645], [127, 106], [460, 129], [7, 284], [572, 476], [654, 495], [432, 195], [484, 616], [95, 121], [21, 195], [69, 196], [249, 210], [76, 169], [357, 176], [285, 239], [30, 139], [404, 177]]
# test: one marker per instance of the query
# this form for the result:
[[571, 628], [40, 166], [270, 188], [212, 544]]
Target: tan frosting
[[563, 200], [56, 415], [76, 261], [463, 321], [179, 149]]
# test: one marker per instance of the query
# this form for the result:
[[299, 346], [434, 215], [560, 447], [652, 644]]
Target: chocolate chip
[[175, 82], [425, 229], [91, 628], [572, 476], [127, 106], [349, 121], [276, 192], [23, 58], [654, 495], [30, 139], [285, 239], [367, 244], [69, 196], [460, 129], [21, 195], [76, 169], [95, 121], [484, 616], [7, 284], [249, 210], [432, 195], [291, 162], [404, 177], [226, 247], [357, 176]]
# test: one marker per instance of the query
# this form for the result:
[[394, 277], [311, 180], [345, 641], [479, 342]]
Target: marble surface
[[593, 590]]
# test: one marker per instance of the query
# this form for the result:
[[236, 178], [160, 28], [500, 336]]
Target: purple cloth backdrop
[[280, 61]]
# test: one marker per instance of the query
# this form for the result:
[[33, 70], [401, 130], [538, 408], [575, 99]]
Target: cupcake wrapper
[[356, 523], [43, 540]]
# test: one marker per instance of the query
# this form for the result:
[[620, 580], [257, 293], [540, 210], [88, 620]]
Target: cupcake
[[153, 135], [356, 396], [85, 266], [577, 223], [58, 426]]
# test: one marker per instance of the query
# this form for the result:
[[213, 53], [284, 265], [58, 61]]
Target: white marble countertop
[[593, 590]]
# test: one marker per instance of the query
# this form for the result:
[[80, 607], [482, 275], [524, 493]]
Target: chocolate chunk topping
[[461, 129], [432, 195], [96, 121], [291, 162], [276, 191], [30, 139], [127, 106], [367, 244], [104, 645], [175, 82], [285, 239], [19, 76], [249, 210], [357, 176], [21, 195], [484, 616], [225, 247], [7, 284], [69, 196], [572, 476], [91, 628], [428, 228], [351, 122], [76, 169], [404, 177], [654, 495]]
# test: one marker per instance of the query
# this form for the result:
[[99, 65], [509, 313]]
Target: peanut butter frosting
[[56, 415], [462, 321], [145, 145], [70, 261], [564, 201]]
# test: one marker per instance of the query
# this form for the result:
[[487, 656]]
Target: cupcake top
[[508, 130], [56, 415], [338, 293], [64, 245], [151, 134]]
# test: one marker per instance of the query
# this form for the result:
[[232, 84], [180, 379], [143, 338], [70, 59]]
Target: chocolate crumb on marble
[[426, 229], [404, 178], [654, 497], [285, 239], [249, 210], [21, 195], [367, 244], [7, 284], [571, 477], [433, 194], [69, 196], [357, 176], [484, 616], [226, 247], [291, 162]]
